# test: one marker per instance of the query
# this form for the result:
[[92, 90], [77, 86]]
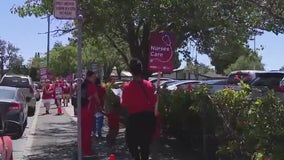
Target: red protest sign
[[161, 52]]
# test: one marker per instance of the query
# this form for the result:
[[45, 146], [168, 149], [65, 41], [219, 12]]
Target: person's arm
[[98, 102], [125, 98]]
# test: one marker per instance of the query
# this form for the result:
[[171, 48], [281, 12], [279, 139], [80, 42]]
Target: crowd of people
[[138, 98]]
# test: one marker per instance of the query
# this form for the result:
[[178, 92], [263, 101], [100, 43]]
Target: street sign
[[65, 9], [161, 52]]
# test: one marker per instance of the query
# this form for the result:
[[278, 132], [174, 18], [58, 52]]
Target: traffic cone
[[112, 157]]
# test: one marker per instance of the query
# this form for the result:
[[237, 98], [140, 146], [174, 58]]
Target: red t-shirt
[[66, 89], [92, 90], [135, 99], [47, 92], [101, 93]]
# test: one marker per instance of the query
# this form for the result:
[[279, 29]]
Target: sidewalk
[[54, 137], [169, 148]]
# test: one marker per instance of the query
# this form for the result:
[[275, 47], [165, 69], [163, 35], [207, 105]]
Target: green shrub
[[245, 127]]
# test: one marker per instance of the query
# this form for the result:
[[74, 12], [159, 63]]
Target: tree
[[198, 68], [206, 23], [63, 60], [9, 58], [34, 65], [100, 51], [250, 62], [225, 55]]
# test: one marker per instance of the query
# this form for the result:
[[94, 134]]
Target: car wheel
[[19, 133], [31, 111], [26, 123]]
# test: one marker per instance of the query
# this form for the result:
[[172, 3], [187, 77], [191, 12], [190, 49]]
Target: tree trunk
[[139, 47]]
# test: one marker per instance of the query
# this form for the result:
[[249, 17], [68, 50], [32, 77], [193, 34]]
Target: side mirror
[[28, 99]]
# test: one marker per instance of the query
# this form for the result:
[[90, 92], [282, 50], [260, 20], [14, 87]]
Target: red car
[[6, 149]]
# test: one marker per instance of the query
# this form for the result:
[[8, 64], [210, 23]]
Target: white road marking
[[32, 132]]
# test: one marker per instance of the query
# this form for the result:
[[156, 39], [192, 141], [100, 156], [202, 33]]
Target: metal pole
[[79, 78], [48, 41]]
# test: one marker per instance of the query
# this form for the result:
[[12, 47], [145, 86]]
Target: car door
[[22, 99]]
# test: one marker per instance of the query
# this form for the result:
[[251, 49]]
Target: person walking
[[99, 115], [66, 93], [89, 102], [138, 97], [58, 95], [47, 96], [74, 97]]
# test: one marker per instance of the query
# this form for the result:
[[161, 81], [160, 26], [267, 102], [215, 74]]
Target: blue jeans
[[98, 125]]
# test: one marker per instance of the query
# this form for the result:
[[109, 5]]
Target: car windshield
[[15, 82], [7, 94], [215, 82], [238, 77], [268, 79]]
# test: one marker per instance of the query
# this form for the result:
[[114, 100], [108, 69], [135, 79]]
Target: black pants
[[74, 103], [139, 132]]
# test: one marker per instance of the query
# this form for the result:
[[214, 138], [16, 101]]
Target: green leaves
[[63, 60]]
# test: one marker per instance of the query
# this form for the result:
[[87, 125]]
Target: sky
[[24, 33]]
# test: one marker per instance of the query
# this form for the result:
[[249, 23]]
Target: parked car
[[183, 84], [168, 83], [24, 82], [14, 104], [215, 85], [261, 81], [37, 92], [6, 145], [154, 81], [247, 76]]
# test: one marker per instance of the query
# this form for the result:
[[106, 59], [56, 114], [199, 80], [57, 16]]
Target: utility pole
[[79, 81], [48, 41]]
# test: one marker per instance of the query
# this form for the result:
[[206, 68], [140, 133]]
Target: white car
[[24, 82], [182, 84]]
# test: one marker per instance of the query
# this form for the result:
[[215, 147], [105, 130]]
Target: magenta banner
[[161, 55], [43, 74]]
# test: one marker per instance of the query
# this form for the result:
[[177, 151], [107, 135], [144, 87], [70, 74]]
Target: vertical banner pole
[[79, 78], [158, 89], [48, 42]]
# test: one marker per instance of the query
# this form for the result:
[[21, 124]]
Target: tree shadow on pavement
[[54, 141], [168, 149], [65, 151]]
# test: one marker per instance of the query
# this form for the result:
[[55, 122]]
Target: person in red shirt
[[138, 97], [66, 93], [47, 95], [90, 100]]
